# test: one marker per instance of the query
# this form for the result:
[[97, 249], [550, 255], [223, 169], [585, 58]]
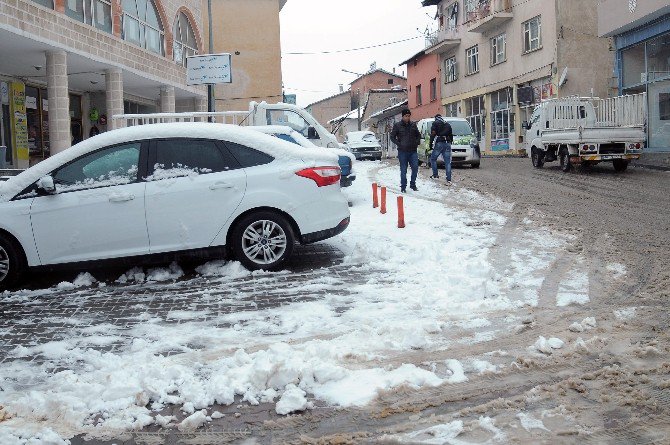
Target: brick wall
[[62, 32]]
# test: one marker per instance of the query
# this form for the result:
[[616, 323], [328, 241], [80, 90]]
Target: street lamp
[[358, 97], [210, 87]]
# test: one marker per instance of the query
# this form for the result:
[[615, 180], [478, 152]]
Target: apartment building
[[500, 58], [424, 85], [641, 42], [250, 31]]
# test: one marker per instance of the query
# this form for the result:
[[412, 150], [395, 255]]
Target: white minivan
[[464, 150], [155, 191]]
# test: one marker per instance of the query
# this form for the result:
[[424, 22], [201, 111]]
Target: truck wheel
[[564, 158], [620, 165], [537, 158]]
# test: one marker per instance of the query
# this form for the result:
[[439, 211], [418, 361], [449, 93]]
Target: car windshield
[[461, 128], [369, 138]]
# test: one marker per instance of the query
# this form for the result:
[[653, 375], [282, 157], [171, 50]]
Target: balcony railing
[[479, 9]]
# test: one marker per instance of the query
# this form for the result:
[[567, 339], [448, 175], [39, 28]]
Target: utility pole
[[358, 102], [210, 88]]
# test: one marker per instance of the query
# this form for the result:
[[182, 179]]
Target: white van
[[464, 150]]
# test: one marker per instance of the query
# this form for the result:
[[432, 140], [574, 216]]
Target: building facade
[[331, 107], [250, 31], [424, 85], [500, 58], [69, 66], [641, 41]]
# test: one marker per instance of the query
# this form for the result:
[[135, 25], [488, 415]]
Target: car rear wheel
[[475, 165], [263, 240], [12, 264]]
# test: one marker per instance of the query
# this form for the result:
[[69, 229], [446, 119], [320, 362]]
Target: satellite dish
[[564, 77]]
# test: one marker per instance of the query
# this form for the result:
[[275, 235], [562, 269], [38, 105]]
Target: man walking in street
[[406, 136], [441, 138]]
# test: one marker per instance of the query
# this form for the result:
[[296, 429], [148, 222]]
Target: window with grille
[[472, 59], [450, 69], [142, 26], [498, 44], [532, 35], [184, 39], [96, 13]]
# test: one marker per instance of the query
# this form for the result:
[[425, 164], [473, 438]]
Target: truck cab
[[294, 117]]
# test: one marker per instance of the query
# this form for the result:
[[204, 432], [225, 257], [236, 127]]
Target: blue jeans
[[411, 158], [441, 149]]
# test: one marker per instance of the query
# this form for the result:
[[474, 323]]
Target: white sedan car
[[149, 192], [363, 145]]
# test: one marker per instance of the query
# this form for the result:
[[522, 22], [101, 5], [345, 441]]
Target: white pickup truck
[[586, 131], [259, 114]]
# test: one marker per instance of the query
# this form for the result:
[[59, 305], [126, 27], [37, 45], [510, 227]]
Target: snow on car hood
[[277, 148]]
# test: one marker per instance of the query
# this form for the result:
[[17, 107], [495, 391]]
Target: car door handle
[[121, 197], [221, 185]]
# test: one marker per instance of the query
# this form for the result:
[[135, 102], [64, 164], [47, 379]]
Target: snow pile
[[228, 269], [292, 400], [625, 314], [194, 421], [83, 280], [547, 346], [158, 274], [439, 434], [529, 422], [587, 323]]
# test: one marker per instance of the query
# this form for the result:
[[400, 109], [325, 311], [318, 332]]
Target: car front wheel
[[12, 265], [263, 240]]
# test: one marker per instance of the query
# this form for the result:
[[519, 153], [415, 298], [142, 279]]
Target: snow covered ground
[[446, 279]]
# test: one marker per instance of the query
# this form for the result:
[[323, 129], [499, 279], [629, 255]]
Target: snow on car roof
[[275, 147]]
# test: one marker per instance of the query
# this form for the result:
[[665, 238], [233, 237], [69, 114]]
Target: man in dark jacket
[[441, 138], [406, 136]]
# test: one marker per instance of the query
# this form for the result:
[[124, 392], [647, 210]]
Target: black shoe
[[402, 190], [413, 187], [434, 177]]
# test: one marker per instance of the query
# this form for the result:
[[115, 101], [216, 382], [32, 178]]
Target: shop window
[[142, 26], [633, 66], [474, 109], [452, 109], [37, 117], [96, 13], [502, 119], [184, 39], [658, 58]]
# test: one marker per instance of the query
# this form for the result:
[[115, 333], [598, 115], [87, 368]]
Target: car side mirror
[[312, 134], [46, 186]]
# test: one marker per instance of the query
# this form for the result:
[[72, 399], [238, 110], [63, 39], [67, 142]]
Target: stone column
[[167, 102], [60, 136], [85, 121], [114, 84]]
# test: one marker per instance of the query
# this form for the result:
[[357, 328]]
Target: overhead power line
[[339, 51]]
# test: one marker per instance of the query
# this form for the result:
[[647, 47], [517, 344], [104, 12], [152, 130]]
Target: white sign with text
[[208, 69]]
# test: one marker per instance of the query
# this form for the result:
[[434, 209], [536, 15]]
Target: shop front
[[643, 64]]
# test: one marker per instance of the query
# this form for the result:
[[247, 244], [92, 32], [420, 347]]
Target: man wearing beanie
[[406, 136]]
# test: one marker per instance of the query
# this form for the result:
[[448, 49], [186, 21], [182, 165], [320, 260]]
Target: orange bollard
[[383, 209], [401, 213], [375, 202]]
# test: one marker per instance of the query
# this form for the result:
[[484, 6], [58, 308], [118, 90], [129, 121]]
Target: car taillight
[[323, 176]]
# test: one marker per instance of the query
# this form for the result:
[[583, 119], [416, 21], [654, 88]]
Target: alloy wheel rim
[[264, 242], [4, 264]]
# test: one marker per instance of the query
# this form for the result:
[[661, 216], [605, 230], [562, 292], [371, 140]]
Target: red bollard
[[401, 213], [383, 209], [375, 201]]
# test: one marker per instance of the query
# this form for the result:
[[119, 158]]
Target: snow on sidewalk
[[419, 280]]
